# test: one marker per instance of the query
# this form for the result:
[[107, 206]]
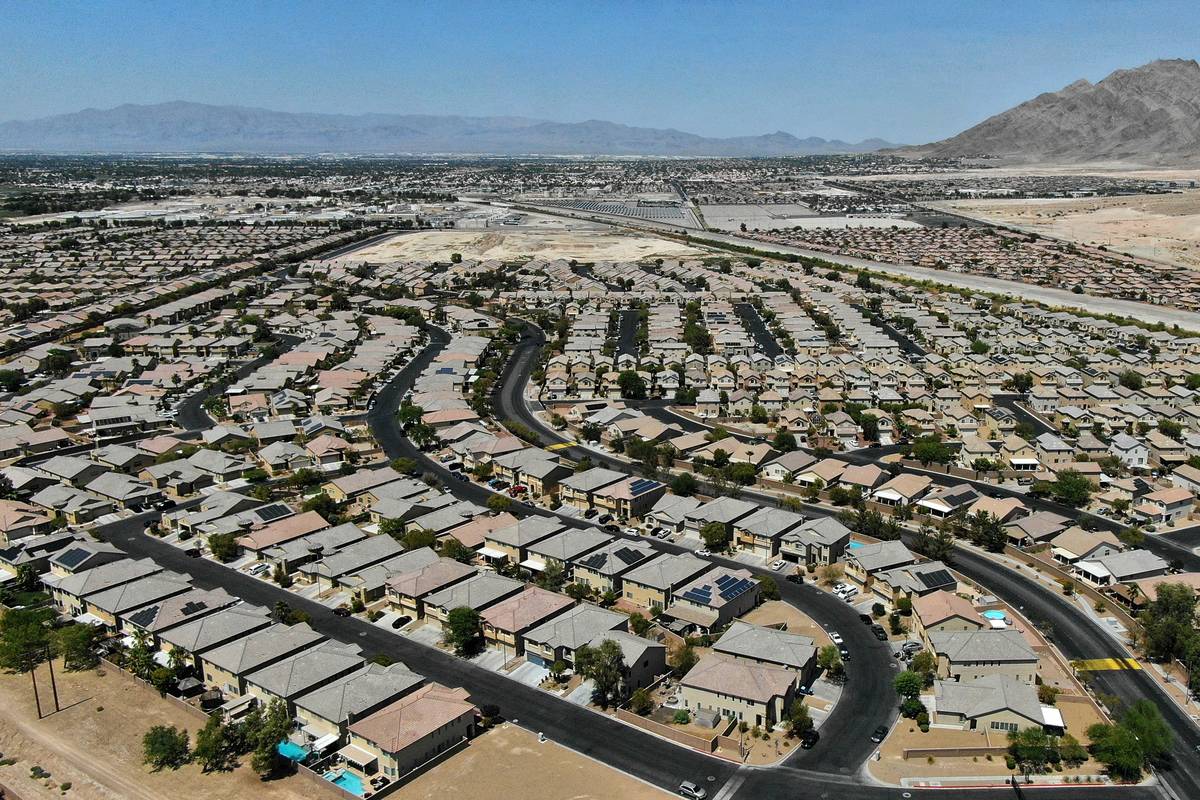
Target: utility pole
[[36, 700], [53, 685]]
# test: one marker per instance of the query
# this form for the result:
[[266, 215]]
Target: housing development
[[353, 484]]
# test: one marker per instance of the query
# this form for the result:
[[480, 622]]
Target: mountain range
[[195, 127], [1150, 114]]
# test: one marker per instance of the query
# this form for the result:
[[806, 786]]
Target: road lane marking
[[1105, 664]]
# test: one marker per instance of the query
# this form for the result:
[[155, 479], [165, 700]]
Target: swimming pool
[[995, 614], [347, 780], [855, 545], [289, 749]]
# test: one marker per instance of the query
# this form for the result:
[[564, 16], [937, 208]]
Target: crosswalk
[[1105, 664]]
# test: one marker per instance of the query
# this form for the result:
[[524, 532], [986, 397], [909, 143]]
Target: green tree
[[799, 721], [24, 638], [76, 644], [139, 659], [829, 659], [453, 548], [784, 442], [552, 578], [1031, 748], [640, 703], [1138, 739], [684, 484], [463, 630], [418, 538], [768, 588], [499, 503], [604, 666], [934, 543], [212, 750], [684, 659], [1131, 380], [632, 385], [931, 449], [1168, 628], [223, 546], [908, 684], [715, 536], [165, 747], [1072, 488]]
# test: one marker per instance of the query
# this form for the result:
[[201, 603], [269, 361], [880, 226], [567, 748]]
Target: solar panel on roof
[[698, 595], [73, 557], [272, 512], [641, 486], [144, 617], [193, 607], [736, 589], [939, 578], [725, 580]]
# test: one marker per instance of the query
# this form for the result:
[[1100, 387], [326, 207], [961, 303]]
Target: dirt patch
[[773, 612], [506, 245], [1163, 227], [95, 744], [510, 762]]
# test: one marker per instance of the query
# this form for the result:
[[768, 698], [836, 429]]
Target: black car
[[880, 734], [342, 611], [809, 738], [879, 632], [591, 512], [795, 577], [192, 552], [865, 619]]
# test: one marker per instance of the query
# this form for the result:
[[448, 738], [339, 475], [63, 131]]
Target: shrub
[[682, 717]]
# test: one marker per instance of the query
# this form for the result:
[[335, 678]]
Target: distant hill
[[194, 127], [1150, 114]]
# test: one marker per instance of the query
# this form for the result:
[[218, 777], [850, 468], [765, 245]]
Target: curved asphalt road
[[640, 754], [868, 700]]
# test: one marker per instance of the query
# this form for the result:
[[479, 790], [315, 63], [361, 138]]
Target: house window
[[1010, 727]]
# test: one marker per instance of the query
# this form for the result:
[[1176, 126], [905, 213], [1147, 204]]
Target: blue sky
[[905, 71]]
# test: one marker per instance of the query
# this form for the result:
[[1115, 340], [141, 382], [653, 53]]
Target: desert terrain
[[1162, 227], [582, 245]]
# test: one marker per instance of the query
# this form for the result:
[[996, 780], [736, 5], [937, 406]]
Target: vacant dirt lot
[[510, 762], [1162, 227], [582, 245], [95, 744]]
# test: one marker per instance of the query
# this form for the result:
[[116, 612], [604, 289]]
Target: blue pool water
[[347, 780], [855, 545], [289, 749], [994, 614]]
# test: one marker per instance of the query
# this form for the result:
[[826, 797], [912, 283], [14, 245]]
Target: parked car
[[809, 738], [605, 518], [704, 552], [795, 577], [776, 565], [632, 532], [835, 637], [880, 734], [400, 622], [692, 790], [192, 552], [342, 611], [591, 512], [879, 632], [664, 534]]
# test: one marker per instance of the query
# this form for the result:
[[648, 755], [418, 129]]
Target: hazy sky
[[905, 71]]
